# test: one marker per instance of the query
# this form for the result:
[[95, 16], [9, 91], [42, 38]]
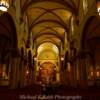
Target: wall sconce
[[27, 72], [68, 67], [97, 71], [91, 73], [62, 58], [98, 74], [35, 58], [98, 7], [4, 5]]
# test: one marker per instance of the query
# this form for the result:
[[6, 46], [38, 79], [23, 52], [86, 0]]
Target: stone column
[[14, 64], [63, 75], [77, 72], [82, 70], [22, 72], [13, 73], [18, 72], [84, 73], [33, 76], [69, 74], [73, 74], [62, 72]]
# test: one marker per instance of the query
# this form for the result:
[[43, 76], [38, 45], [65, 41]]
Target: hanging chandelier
[[4, 5], [98, 7]]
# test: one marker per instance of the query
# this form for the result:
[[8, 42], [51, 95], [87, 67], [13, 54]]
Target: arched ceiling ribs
[[50, 28], [67, 4], [45, 38], [44, 29], [53, 9], [47, 50], [48, 11], [41, 34], [50, 37], [48, 41], [54, 26], [53, 21]]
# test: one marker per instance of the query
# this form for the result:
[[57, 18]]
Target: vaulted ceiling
[[48, 20]]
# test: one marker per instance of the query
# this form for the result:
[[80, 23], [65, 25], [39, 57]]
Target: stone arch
[[14, 19], [90, 38], [8, 29], [30, 59], [8, 46], [88, 22]]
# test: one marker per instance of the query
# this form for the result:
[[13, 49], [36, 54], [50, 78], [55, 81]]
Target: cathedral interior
[[50, 47]]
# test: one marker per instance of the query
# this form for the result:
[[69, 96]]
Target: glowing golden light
[[91, 73], [4, 5], [98, 7], [35, 58], [69, 67], [98, 74], [62, 58], [27, 72], [48, 45]]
